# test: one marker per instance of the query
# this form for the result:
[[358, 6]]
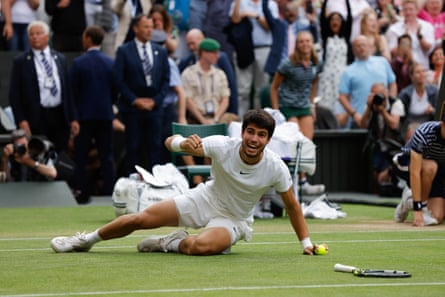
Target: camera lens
[[378, 99], [19, 149]]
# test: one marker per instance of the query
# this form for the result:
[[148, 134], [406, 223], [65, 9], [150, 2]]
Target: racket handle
[[344, 268]]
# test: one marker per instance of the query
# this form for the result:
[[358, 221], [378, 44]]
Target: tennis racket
[[371, 272]]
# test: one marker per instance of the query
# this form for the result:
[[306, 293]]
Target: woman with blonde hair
[[369, 27], [294, 88]]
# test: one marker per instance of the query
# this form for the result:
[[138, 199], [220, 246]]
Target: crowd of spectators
[[395, 45]]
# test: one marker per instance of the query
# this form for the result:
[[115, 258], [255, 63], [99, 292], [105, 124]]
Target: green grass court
[[270, 265]]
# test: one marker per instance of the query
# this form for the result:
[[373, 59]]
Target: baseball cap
[[209, 45]]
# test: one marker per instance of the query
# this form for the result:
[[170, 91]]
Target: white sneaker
[[428, 218], [404, 206], [76, 243], [308, 189], [160, 243]]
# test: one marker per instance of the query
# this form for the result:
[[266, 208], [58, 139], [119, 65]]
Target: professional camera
[[378, 99], [19, 149]]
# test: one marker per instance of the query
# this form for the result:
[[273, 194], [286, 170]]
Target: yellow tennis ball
[[322, 249]]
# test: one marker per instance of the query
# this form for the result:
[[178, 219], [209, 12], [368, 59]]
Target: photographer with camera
[[27, 159], [382, 119]]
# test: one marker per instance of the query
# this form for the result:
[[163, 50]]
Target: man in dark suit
[[39, 89], [143, 78], [94, 93], [193, 39]]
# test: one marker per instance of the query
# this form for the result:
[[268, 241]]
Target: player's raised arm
[[191, 145]]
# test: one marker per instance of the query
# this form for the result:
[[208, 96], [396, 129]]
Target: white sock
[[93, 237], [174, 245]]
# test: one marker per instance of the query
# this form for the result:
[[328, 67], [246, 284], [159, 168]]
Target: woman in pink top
[[432, 13]]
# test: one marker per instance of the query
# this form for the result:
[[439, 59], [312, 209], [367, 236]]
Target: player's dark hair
[[261, 119], [96, 34]]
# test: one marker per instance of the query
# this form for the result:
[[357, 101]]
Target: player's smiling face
[[254, 141]]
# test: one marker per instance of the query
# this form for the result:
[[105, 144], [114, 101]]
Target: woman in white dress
[[335, 34]]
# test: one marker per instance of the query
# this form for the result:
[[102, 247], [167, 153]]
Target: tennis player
[[424, 160], [243, 169]]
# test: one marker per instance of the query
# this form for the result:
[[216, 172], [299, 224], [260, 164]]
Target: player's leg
[[428, 173], [158, 215], [210, 241], [436, 206]]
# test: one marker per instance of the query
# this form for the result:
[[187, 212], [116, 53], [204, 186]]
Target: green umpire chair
[[202, 131]]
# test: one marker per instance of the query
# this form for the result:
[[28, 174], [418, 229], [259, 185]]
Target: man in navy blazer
[[39, 89], [193, 39], [94, 93], [279, 28], [143, 79]]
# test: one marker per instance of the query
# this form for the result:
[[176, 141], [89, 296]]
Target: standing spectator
[[126, 10], [402, 61], [142, 75], [39, 91], [387, 14], [356, 81], [369, 28], [193, 39], [437, 61], [337, 54], [253, 76], [284, 33], [421, 32], [293, 90], [163, 22], [433, 13], [174, 105], [93, 94], [357, 7], [5, 24], [419, 99], [23, 12], [67, 24]]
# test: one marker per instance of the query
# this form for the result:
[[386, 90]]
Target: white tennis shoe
[[404, 206], [428, 218], [76, 243], [160, 243]]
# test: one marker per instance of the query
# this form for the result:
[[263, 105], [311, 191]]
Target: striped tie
[[146, 62], [49, 73]]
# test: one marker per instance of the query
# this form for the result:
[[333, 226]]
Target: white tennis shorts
[[195, 211]]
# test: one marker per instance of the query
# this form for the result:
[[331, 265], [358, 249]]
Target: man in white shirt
[[222, 206]]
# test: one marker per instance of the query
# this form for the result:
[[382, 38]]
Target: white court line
[[240, 243], [253, 288]]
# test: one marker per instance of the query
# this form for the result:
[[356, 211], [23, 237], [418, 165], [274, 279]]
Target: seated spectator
[[419, 99], [27, 159], [193, 39], [206, 91], [382, 119], [402, 61], [437, 61], [432, 12]]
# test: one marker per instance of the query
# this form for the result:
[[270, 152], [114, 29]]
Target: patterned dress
[[336, 60]]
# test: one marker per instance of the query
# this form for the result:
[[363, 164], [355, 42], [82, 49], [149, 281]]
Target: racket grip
[[344, 268]]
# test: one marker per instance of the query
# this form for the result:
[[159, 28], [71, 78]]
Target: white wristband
[[306, 243], [176, 143]]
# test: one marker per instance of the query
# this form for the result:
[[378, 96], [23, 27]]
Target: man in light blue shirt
[[356, 82]]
